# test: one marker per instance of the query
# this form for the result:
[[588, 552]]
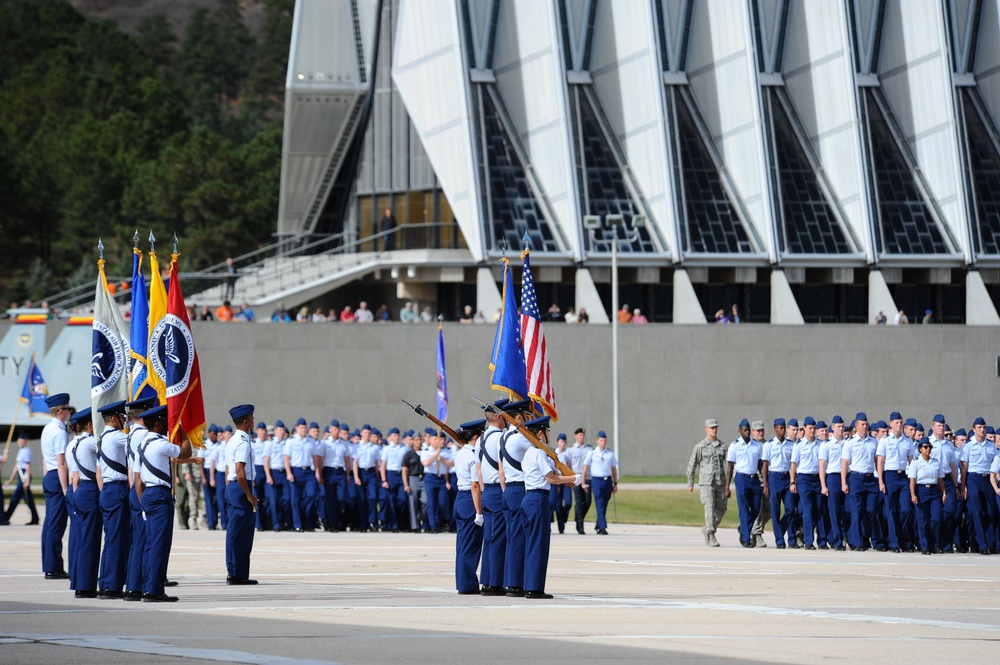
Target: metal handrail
[[284, 276]]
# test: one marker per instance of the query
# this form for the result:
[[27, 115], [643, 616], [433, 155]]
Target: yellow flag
[[157, 310]]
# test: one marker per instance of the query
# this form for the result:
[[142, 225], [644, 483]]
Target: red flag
[[175, 349]]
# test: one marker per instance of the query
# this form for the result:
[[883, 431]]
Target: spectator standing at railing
[[230, 279], [388, 227], [408, 314], [245, 314], [224, 312], [426, 316], [363, 314], [280, 314], [347, 314], [206, 314], [383, 314]]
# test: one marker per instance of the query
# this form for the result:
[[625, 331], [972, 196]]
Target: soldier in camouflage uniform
[[191, 476], [709, 459]]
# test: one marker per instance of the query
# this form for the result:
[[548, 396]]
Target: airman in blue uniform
[[468, 510], [86, 500], [240, 497], [22, 472], [744, 464], [494, 521], [55, 484], [859, 483], [602, 466], [259, 444], [137, 529], [114, 500]]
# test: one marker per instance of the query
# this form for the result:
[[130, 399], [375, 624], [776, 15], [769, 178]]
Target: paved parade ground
[[642, 594]]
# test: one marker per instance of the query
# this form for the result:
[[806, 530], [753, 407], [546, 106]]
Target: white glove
[[577, 480], [479, 520]]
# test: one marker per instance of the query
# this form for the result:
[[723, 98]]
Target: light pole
[[592, 223]]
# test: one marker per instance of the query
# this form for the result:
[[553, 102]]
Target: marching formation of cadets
[[891, 486], [492, 487]]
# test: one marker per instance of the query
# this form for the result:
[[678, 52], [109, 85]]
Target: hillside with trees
[[103, 132]]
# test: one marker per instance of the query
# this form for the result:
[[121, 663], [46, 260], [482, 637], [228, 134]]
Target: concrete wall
[[673, 377]]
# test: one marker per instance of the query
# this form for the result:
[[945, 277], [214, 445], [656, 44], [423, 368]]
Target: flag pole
[[13, 424]]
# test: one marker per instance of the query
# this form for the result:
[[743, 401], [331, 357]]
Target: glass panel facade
[[809, 223], [604, 185], [712, 224], [984, 166], [905, 220], [514, 210]]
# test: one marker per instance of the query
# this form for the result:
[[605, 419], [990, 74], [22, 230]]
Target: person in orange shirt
[[224, 312], [624, 315]]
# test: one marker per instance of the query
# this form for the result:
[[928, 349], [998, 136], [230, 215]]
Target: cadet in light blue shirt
[[927, 492], [776, 457], [976, 460], [259, 445], [392, 481], [276, 492], [945, 454], [602, 465], [892, 456], [859, 484], [299, 452], [805, 483], [830, 481], [744, 463]]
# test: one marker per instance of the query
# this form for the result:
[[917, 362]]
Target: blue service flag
[[139, 334], [34, 392], [507, 361], [442, 379]]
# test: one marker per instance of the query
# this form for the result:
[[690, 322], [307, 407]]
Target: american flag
[[536, 356]]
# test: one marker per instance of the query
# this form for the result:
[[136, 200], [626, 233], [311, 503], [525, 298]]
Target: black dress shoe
[[58, 575], [793, 545], [169, 583], [780, 546], [810, 547], [896, 550], [237, 581], [840, 548], [473, 592], [580, 530], [299, 530], [925, 552], [31, 523], [602, 532], [86, 594], [132, 595], [111, 595], [539, 595], [515, 592], [494, 591], [158, 598]]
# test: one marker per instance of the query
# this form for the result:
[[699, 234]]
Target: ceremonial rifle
[[447, 430], [527, 434]]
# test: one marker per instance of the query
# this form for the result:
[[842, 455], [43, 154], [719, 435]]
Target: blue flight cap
[[938, 418], [500, 403], [300, 421], [809, 421], [601, 435], [83, 416], [228, 428], [112, 409], [926, 441], [517, 407], [821, 424], [989, 429], [393, 430], [910, 422], [366, 426], [979, 421], [430, 431], [861, 416], [473, 427], [837, 420], [22, 434], [334, 423], [744, 423], [156, 413], [241, 411], [356, 433], [961, 432], [345, 426], [895, 415], [376, 432], [141, 405], [793, 422], [211, 428], [853, 422], [541, 423], [261, 425], [59, 399], [779, 422], [313, 425], [279, 423], [920, 427], [561, 437], [881, 425]]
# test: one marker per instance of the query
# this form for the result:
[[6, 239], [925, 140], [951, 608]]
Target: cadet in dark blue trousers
[[113, 453], [259, 477], [744, 463], [539, 472], [512, 448], [241, 501], [136, 434], [55, 484], [154, 490], [494, 524], [87, 554], [468, 510], [602, 465], [22, 472], [277, 491]]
